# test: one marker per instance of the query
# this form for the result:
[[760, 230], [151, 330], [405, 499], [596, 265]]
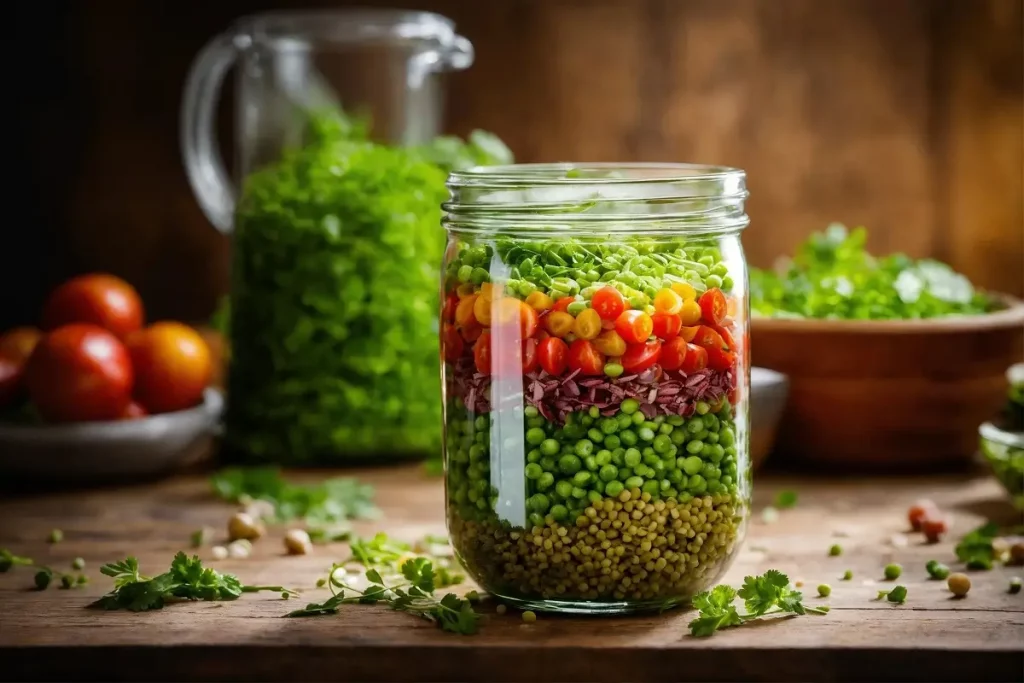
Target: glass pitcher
[[335, 238]]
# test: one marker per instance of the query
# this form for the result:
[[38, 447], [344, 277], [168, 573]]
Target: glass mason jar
[[335, 241], [596, 374]]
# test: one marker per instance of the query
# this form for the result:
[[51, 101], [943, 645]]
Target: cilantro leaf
[[716, 611], [975, 548], [761, 593]]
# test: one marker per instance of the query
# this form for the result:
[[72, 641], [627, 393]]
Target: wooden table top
[[49, 634]]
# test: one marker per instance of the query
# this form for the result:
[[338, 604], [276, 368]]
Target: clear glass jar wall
[[596, 371]]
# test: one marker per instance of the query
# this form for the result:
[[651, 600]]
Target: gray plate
[[768, 393], [98, 451]]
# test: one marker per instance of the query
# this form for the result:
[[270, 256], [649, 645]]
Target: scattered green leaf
[[898, 594], [975, 548], [762, 595]]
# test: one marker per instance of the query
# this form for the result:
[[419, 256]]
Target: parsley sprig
[[413, 594], [187, 579], [762, 596]]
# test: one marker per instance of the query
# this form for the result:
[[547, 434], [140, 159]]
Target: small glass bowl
[[1004, 452]]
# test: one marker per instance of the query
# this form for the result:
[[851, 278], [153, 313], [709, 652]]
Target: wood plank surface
[[49, 635]]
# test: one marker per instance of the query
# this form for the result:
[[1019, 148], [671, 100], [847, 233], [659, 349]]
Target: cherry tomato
[[134, 411], [585, 357], [720, 359], [98, 299], [634, 326], [482, 353], [713, 307], [920, 511], [451, 343], [688, 333], [464, 311], [482, 310], [451, 303], [12, 372], [559, 323], [667, 301], [639, 357], [708, 338], [610, 343], [685, 290], [673, 354], [563, 304], [553, 355], [666, 325], [696, 359], [587, 324], [935, 527], [471, 332], [79, 373], [608, 303], [529, 320], [726, 335], [172, 366], [539, 301], [690, 313], [487, 291], [17, 344], [529, 355]]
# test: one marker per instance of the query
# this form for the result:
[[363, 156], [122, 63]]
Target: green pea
[[533, 455], [633, 457], [608, 472], [712, 437], [609, 425], [664, 427], [465, 273], [535, 436], [713, 281], [581, 478], [676, 420], [584, 447], [569, 464], [642, 470], [625, 473], [535, 519], [613, 369], [702, 407], [612, 442], [695, 425], [539, 503], [629, 406], [638, 419], [697, 484], [662, 443], [726, 436], [559, 512], [634, 482], [678, 437], [694, 446], [727, 283], [545, 481], [563, 488], [711, 472], [652, 487], [590, 462], [550, 447], [579, 493], [692, 465], [549, 463], [575, 308], [614, 488], [594, 496], [603, 457], [534, 471], [646, 434], [531, 411], [717, 453]]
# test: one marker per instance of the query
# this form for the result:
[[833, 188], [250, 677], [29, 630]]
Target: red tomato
[[529, 355], [80, 373], [98, 299], [563, 304], [713, 307], [172, 366], [920, 511], [529, 320], [634, 326], [666, 325], [608, 303], [708, 338], [17, 344], [673, 354], [552, 354], [726, 336], [696, 359], [719, 359], [585, 357], [134, 411], [934, 527], [451, 302], [482, 353], [451, 343], [471, 331], [639, 357]]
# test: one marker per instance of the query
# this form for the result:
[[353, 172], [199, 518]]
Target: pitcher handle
[[199, 148]]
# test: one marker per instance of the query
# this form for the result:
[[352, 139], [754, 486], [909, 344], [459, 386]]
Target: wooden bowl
[[889, 395]]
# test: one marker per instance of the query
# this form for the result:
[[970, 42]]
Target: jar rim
[[597, 198], [294, 29]]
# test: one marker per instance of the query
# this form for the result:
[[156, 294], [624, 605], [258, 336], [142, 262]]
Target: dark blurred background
[[902, 115]]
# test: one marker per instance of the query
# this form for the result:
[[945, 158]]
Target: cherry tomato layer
[[726, 335], [639, 357], [563, 304], [451, 343], [451, 302], [482, 353], [553, 355], [708, 338], [608, 303], [696, 359], [529, 355], [610, 343], [529, 320], [634, 326], [585, 357], [719, 359]]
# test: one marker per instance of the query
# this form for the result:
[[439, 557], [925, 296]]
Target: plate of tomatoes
[[94, 391]]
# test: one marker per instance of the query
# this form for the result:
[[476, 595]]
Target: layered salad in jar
[[595, 418]]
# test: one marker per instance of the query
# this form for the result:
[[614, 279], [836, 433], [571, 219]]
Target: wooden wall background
[[902, 115]]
